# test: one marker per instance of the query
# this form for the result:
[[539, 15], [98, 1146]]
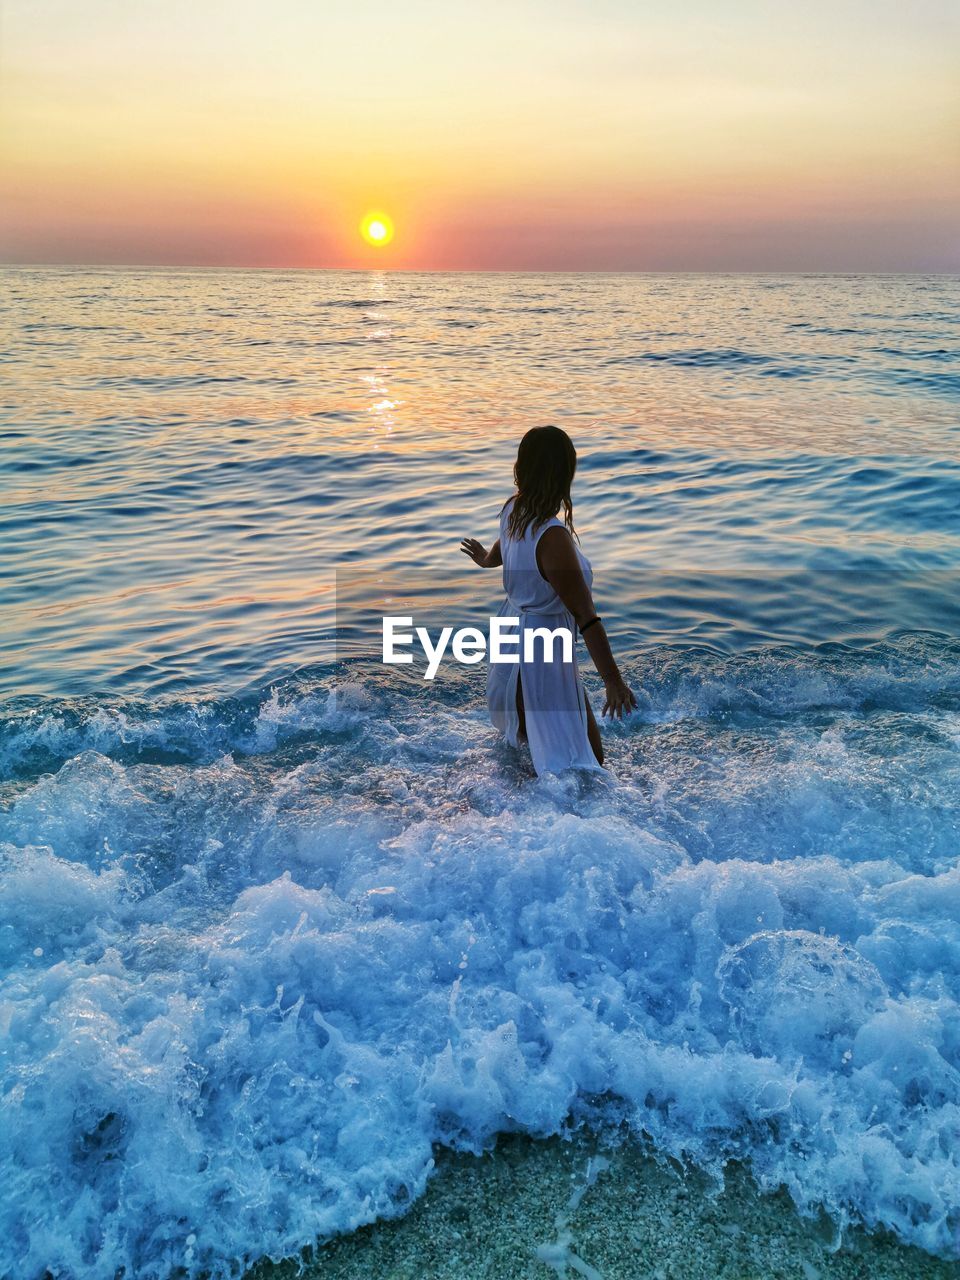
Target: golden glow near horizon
[[377, 229], [718, 134]]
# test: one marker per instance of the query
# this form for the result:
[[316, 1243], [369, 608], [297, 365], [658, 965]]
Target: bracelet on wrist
[[589, 623]]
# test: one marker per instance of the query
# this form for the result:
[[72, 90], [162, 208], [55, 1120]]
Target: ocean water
[[275, 919]]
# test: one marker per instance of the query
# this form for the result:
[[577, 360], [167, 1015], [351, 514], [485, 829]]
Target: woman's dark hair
[[543, 473]]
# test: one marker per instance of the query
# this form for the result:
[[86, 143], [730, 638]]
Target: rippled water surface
[[191, 454], [275, 919]]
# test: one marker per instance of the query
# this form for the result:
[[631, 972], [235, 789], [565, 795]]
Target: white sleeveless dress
[[553, 699]]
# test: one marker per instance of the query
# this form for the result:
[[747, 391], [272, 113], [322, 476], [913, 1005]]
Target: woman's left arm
[[491, 559]]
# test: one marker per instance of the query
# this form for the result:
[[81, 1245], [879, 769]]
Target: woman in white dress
[[547, 580]]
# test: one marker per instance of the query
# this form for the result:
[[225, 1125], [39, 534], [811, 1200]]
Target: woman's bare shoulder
[[555, 547]]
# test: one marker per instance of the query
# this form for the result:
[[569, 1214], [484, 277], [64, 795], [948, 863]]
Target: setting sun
[[377, 229]]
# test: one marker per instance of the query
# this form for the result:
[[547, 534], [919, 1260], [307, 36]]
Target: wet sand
[[532, 1210]]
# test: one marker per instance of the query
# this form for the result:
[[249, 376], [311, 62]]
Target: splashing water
[[274, 921]]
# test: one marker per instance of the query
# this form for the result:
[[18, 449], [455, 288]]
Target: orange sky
[[620, 134]]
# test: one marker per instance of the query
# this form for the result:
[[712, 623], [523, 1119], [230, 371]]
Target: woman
[[547, 580]]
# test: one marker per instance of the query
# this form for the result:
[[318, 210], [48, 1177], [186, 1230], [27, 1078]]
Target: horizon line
[[516, 271]]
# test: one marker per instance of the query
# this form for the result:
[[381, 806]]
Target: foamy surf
[[262, 955], [272, 930]]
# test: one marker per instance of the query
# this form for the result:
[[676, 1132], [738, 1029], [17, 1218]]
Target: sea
[[278, 921]]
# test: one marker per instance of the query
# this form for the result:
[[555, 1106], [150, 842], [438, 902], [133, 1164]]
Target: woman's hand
[[619, 700], [485, 559], [475, 550]]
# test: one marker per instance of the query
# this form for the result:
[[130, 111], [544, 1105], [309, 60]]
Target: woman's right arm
[[559, 563]]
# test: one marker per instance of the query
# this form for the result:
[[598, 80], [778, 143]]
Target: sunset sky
[[617, 134]]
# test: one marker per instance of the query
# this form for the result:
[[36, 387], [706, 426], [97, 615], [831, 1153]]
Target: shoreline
[[532, 1209]]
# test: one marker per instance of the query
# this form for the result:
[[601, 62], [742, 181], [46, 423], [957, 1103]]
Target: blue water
[[275, 919]]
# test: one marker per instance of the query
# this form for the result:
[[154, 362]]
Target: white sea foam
[[245, 994]]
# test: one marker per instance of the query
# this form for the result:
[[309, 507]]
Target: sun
[[377, 229]]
